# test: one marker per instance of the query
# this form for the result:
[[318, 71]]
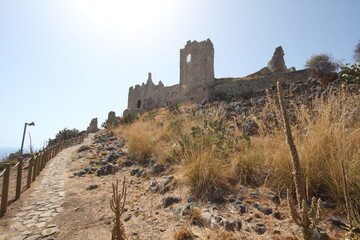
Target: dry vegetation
[[210, 154]]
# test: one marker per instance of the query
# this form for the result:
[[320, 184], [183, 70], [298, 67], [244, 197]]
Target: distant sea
[[6, 151]]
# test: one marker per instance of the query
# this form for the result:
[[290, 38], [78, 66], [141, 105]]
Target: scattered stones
[[272, 196], [161, 185], [112, 158], [259, 228], [91, 187], [183, 210], [342, 224], [250, 128], [128, 163], [242, 208], [320, 234], [49, 231], [84, 148], [265, 210], [127, 218], [157, 169], [105, 170], [254, 195], [233, 226], [168, 201], [278, 215], [235, 200], [205, 220]]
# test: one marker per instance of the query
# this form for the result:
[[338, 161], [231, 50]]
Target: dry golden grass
[[195, 215], [326, 132], [184, 233], [204, 174], [221, 234], [141, 139], [324, 136]]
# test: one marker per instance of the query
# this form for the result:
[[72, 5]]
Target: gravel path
[[35, 218]]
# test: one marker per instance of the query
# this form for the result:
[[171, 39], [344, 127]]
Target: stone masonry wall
[[197, 65], [229, 89], [197, 81]]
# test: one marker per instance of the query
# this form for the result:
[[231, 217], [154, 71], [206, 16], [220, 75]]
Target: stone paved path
[[34, 220]]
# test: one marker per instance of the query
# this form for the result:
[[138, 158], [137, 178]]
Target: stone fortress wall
[[198, 83]]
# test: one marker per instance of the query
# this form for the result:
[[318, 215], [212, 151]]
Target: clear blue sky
[[63, 62]]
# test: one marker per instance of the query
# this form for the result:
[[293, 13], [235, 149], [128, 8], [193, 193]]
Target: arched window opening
[[138, 104], [188, 58]]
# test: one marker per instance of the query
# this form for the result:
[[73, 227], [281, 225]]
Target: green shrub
[[111, 123], [173, 108], [128, 118], [149, 116], [63, 135], [322, 64], [350, 74]]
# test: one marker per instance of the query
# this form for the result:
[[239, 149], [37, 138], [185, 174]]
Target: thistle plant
[[117, 204], [304, 216]]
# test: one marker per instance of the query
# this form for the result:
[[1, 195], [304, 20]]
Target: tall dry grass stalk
[[305, 219]]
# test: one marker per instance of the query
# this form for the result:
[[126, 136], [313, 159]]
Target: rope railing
[[17, 164], [36, 163], [2, 172]]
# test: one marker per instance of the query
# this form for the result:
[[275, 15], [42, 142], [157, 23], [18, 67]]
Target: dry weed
[[184, 233]]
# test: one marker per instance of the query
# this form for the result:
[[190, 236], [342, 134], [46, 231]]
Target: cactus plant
[[305, 218], [117, 204]]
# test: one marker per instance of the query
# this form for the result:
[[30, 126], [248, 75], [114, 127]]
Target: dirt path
[[33, 216]]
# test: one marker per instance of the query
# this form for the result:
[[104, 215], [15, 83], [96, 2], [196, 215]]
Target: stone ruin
[[93, 127], [111, 116], [198, 82]]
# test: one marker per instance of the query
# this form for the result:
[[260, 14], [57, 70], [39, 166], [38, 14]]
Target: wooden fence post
[[35, 167], [31, 163], [19, 179], [43, 160], [39, 165], [50, 153], [5, 190]]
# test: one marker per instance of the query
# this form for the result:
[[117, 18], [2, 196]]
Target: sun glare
[[135, 17]]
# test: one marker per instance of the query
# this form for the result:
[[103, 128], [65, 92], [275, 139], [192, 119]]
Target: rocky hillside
[[175, 192]]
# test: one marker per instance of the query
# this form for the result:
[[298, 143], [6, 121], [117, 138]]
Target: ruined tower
[[197, 65]]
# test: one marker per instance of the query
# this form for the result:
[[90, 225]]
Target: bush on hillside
[[350, 74], [322, 64], [128, 118], [63, 135], [111, 123]]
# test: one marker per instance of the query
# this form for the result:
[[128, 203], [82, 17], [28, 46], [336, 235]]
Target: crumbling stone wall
[[197, 81], [277, 63], [111, 116], [231, 90], [149, 96], [93, 127], [197, 65]]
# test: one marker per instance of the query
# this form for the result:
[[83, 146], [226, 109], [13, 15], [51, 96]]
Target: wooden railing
[[35, 165]]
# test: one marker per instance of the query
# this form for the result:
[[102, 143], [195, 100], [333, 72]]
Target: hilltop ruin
[[198, 82]]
